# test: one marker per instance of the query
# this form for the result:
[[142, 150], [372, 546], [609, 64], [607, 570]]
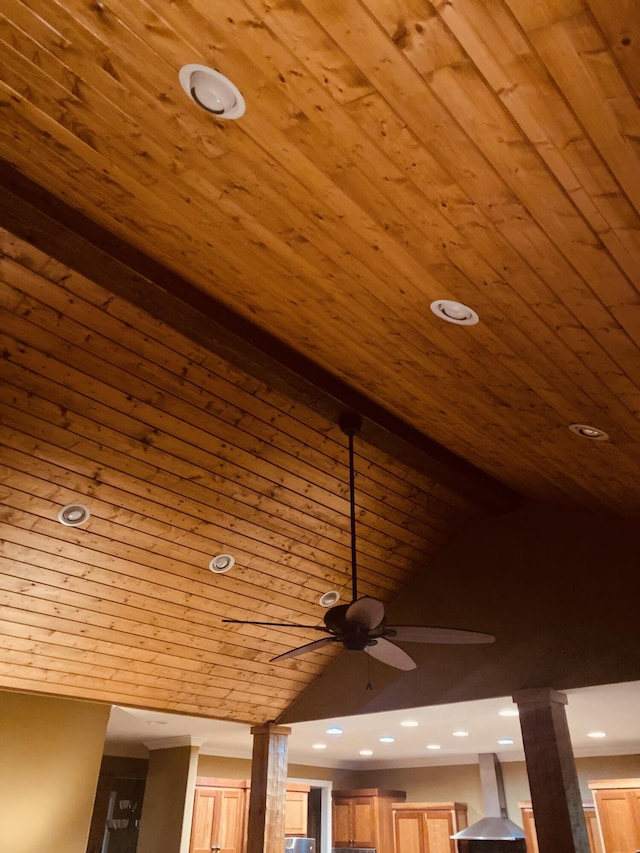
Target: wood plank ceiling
[[393, 152]]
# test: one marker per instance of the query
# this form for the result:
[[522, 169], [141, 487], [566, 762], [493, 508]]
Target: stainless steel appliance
[[296, 844]]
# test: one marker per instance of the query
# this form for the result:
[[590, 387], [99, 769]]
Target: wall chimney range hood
[[495, 825]]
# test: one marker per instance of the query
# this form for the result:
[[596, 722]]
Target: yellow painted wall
[[240, 768], [50, 753], [453, 783], [168, 800]]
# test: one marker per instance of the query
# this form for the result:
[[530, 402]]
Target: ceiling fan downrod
[[350, 424]]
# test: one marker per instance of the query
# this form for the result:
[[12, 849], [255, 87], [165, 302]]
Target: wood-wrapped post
[[551, 768], [268, 797]]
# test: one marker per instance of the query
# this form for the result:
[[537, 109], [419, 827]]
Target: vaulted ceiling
[[189, 303]]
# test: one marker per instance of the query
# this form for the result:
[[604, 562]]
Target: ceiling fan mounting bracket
[[350, 423]]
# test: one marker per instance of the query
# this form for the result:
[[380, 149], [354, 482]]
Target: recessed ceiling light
[[460, 733], [156, 723], [366, 752], [505, 741], [222, 563], [328, 599], [72, 515], [410, 724], [454, 312], [386, 739], [433, 746], [597, 734], [587, 431], [509, 712], [212, 91], [334, 730], [319, 746]]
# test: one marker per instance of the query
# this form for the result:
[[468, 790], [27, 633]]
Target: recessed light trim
[[410, 724], [506, 741], [387, 739], [597, 734], [366, 752], [509, 712], [319, 746], [212, 91], [590, 432], [334, 730], [72, 515], [433, 746], [460, 733], [454, 312], [221, 563], [328, 599]]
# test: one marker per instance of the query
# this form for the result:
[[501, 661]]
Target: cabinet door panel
[[295, 822], [231, 821], [364, 822], [341, 822], [218, 821], [204, 815], [439, 828], [620, 829], [411, 833], [530, 835]]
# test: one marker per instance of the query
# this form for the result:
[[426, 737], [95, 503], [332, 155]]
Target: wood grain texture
[[180, 456], [176, 351], [267, 799]]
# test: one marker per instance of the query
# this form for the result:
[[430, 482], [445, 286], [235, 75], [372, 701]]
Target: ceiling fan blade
[[278, 624], [423, 634], [309, 647], [389, 653], [366, 611]]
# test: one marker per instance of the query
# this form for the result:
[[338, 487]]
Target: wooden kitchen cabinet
[[296, 815], [219, 818], [363, 818], [221, 809], [529, 826], [427, 827], [617, 803]]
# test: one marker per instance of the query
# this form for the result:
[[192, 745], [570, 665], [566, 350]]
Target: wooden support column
[[553, 780], [268, 798]]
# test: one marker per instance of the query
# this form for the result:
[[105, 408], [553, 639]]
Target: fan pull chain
[[369, 684]]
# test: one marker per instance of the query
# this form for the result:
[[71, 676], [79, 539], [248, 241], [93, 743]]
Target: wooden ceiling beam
[[32, 213]]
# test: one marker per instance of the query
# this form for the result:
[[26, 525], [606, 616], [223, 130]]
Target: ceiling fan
[[361, 625]]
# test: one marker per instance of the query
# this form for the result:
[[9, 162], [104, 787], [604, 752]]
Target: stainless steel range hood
[[495, 825]]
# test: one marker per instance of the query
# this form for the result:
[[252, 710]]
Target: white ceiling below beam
[[612, 709]]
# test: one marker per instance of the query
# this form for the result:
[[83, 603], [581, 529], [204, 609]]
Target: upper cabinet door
[[205, 815], [364, 822], [231, 827], [296, 815], [342, 822], [218, 820], [619, 815]]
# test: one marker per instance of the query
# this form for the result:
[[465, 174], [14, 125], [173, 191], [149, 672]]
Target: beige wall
[[167, 809], [50, 753], [453, 783], [240, 768]]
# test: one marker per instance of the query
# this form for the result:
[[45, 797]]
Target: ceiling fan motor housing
[[335, 620], [357, 641], [354, 635]]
